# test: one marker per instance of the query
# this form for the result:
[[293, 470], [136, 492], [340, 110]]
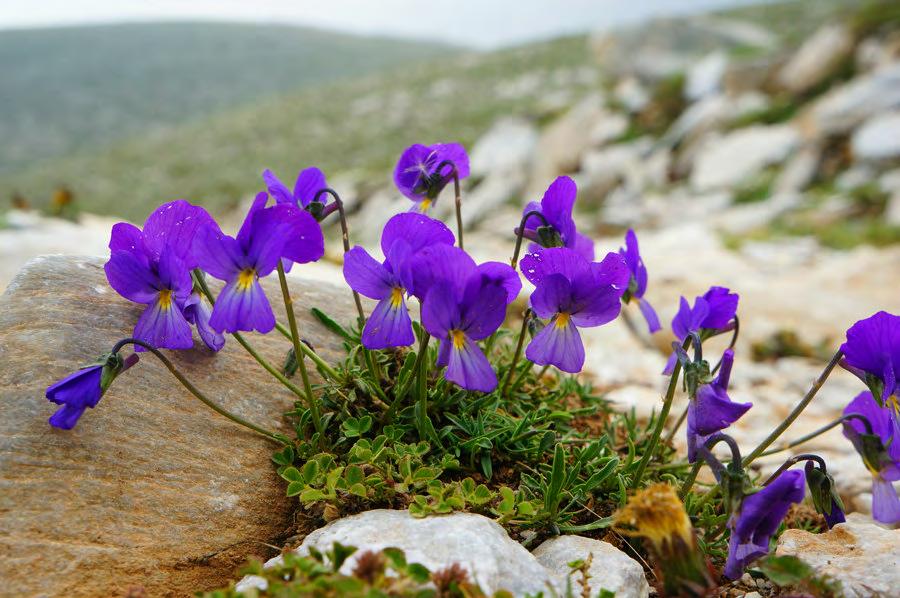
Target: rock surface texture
[[863, 556], [151, 489], [492, 558], [611, 569]]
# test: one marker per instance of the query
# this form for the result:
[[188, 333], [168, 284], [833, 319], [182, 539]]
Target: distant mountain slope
[[69, 89]]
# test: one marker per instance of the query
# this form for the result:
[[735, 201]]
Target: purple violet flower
[[556, 206], [872, 352], [712, 410], [152, 266], [711, 313], [637, 286], [572, 293], [880, 452], [198, 310], [84, 388], [309, 182], [266, 236], [403, 237], [758, 518], [463, 303], [416, 174]]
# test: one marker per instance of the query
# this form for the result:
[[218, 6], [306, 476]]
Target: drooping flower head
[[880, 452], [153, 267], [657, 514], [711, 313], [84, 388], [266, 236], [463, 303], [824, 495], [572, 293], [712, 410], [404, 236], [872, 352], [637, 286], [416, 174], [556, 206], [757, 519], [308, 184]]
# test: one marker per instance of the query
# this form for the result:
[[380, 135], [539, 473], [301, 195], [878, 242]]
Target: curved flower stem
[[253, 352], [454, 174], [793, 461], [298, 352], [521, 377], [734, 338], [810, 395], [819, 432], [661, 422], [520, 233], [717, 467], [196, 392], [345, 238], [518, 353]]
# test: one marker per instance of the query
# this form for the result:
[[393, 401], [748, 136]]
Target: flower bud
[[824, 497]]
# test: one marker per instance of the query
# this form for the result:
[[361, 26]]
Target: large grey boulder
[[863, 556], [878, 138], [480, 545], [843, 108], [151, 488], [611, 569]]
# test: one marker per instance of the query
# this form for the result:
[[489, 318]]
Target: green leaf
[[354, 474], [310, 471], [396, 557], [339, 554], [425, 473], [786, 570], [481, 495], [295, 488], [358, 490], [557, 478], [291, 474], [418, 572], [311, 495], [331, 325]]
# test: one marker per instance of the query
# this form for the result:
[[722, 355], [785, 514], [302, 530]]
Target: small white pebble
[[752, 595]]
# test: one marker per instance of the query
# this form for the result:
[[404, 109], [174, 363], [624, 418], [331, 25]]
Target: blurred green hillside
[[74, 88]]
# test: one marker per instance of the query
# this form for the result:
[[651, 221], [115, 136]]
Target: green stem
[[459, 222], [661, 422], [521, 377], [810, 395], [633, 329], [276, 373], [818, 432], [671, 433], [517, 354], [298, 352], [320, 363], [421, 389], [196, 392], [689, 481], [401, 393]]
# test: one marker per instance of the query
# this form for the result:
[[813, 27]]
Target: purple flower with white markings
[[417, 174], [572, 293], [556, 206], [84, 388], [880, 452], [152, 266], [266, 236], [712, 410], [637, 286], [713, 312], [872, 352], [308, 184], [758, 518], [403, 237]]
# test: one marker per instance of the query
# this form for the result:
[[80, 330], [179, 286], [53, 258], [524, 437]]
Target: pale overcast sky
[[481, 23]]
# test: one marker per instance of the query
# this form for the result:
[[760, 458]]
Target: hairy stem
[[518, 353], [810, 395], [661, 422], [311, 402], [196, 392], [819, 432]]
